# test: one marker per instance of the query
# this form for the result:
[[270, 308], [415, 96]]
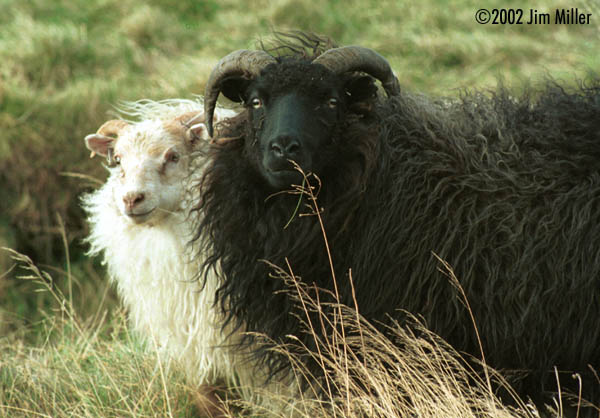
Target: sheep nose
[[132, 199], [285, 146]]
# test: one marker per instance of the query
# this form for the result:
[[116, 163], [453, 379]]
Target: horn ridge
[[242, 63], [358, 58]]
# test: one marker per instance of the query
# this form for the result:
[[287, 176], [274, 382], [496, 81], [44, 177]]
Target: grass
[[66, 63], [83, 367], [95, 367]]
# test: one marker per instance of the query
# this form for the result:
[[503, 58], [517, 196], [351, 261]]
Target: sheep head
[[149, 163], [295, 106]]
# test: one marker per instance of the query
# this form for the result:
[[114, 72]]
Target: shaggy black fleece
[[505, 189]]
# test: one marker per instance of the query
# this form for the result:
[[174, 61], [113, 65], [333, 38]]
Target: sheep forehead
[[307, 78], [149, 138]]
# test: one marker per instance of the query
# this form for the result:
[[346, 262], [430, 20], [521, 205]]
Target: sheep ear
[[234, 88], [103, 141], [99, 144], [195, 133], [361, 88], [192, 125], [361, 92]]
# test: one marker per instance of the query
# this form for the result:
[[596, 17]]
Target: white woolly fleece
[[149, 260], [155, 279]]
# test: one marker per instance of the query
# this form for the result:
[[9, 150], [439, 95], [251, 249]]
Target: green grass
[[66, 63]]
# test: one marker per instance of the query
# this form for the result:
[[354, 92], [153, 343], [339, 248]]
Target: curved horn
[[112, 127], [243, 63], [358, 58]]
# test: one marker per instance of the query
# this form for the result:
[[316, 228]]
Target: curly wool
[[505, 189]]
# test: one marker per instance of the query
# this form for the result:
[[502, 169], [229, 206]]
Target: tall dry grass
[[95, 367], [89, 367]]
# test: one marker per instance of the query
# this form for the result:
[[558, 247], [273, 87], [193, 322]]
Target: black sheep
[[505, 189]]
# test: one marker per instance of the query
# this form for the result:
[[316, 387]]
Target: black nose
[[284, 146]]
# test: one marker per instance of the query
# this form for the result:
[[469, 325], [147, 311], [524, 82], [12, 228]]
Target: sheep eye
[[256, 103], [171, 157], [117, 160], [332, 103]]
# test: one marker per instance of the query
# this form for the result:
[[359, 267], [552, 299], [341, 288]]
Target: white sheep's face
[[149, 174], [149, 164], [150, 161]]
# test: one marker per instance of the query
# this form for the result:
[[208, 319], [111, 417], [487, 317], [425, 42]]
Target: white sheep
[[139, 225]]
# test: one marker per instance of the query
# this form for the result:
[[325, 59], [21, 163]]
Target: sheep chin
[[283, 179], [143, 218]]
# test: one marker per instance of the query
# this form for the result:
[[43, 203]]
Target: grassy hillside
[[66, 63]]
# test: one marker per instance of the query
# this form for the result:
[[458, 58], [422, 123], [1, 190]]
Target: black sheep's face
[[295, 110], [292, 126]]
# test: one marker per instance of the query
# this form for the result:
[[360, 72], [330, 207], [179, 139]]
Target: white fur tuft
[[164, 110]]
